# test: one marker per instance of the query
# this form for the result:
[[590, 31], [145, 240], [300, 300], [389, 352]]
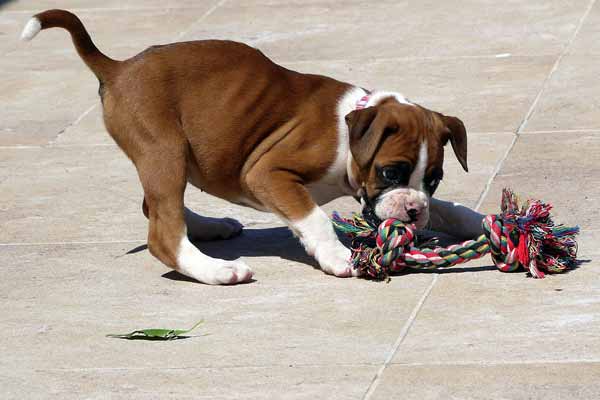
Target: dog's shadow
[[262, 242], [252, 242], [280, 242]]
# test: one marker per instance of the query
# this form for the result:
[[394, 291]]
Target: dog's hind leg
[[207, 228], [162, 172], [455, 219]]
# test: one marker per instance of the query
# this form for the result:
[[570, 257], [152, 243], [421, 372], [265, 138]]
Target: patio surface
[[522, 75]]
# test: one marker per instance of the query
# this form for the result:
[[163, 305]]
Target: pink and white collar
[[362, 102], [375, 97]]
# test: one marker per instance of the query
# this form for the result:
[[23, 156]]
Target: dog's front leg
[[319, 239], [283, 193], [455, 219]]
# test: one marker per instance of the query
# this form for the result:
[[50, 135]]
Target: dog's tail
[[101, 65]]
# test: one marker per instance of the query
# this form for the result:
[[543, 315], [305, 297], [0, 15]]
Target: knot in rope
[[394, 238], [503, 242]]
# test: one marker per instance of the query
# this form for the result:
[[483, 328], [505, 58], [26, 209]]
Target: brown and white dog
[[222, 116]]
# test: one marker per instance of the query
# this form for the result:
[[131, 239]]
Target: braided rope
[[517, 238]]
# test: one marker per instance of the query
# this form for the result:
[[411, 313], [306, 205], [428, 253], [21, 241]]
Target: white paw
[[221, 272], [232, 272], [334, 259], [213, 271]]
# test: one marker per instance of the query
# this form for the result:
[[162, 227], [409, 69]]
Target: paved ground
[[523, 75]]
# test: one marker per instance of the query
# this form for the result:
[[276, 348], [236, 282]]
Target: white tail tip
[[32, 28]]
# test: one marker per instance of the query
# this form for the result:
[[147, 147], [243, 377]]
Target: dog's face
[[398, 156]]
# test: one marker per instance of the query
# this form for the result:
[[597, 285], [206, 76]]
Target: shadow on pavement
[[266, 242], [280, 242]]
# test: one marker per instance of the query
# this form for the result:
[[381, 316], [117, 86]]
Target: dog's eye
[[396, 174], [391, 174]]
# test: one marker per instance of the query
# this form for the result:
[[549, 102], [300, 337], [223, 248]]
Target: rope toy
[[520, 237]]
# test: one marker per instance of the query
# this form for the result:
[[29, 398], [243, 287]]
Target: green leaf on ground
[[154, 333]]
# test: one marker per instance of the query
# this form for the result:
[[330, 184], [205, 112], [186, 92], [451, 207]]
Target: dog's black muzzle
[[368, 210]]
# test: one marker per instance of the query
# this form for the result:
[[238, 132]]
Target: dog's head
[[398, 156]]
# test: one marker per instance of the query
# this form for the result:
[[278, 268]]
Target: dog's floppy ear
[[367, 128], [457, 134]]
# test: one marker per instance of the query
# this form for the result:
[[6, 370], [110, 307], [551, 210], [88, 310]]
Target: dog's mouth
[[412, 215], [368, 210], [369, 214]]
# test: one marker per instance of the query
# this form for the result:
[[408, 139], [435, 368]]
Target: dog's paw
[[232, 272], [205, 228], [212, 271], [221, 272], [334, 259]]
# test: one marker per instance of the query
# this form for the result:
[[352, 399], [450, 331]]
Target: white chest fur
[[334, 183]]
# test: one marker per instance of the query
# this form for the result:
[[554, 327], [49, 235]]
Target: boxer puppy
[[223, 117]]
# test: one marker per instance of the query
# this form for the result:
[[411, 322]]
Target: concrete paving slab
[[10, 29], [41, 104], [586, 42], [89, 130], [560, 168], [57, 194], [570, 101], [396, 28], [499, 381], [589, 245], [24, 6], [493, 317], [289, 382]]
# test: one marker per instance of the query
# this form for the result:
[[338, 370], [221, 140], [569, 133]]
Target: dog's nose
[[413, 214]]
